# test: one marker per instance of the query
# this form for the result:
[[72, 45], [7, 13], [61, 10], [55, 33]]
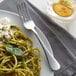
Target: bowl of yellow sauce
[[61, 11]]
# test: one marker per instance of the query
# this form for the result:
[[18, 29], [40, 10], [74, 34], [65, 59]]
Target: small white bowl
[[62, 21]]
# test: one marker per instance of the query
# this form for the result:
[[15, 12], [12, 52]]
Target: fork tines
[[23, 10]]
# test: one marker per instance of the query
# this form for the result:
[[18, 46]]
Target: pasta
[[17, 55]]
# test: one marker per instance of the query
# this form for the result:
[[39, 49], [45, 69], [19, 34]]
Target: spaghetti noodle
[[17, 55]]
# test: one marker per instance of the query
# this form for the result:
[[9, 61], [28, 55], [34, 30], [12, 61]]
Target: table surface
[[42, 6]]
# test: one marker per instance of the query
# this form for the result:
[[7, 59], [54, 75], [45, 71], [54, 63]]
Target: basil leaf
[[18, 51], [9, 48], [14, 50]]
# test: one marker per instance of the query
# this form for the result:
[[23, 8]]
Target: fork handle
[[51, 59]]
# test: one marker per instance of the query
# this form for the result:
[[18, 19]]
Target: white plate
[[45, 71]]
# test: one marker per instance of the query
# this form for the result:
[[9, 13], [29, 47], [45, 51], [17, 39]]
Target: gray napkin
[[63, 44]]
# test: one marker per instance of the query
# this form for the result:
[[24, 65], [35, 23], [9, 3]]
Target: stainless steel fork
[[29, 24]]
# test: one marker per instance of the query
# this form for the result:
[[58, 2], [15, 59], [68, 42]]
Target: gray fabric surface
[[63, 44]]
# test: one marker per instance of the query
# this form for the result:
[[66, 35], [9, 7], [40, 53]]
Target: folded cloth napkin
[[63, 44]]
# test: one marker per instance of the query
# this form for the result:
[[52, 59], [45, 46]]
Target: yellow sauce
[[62, 10]]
